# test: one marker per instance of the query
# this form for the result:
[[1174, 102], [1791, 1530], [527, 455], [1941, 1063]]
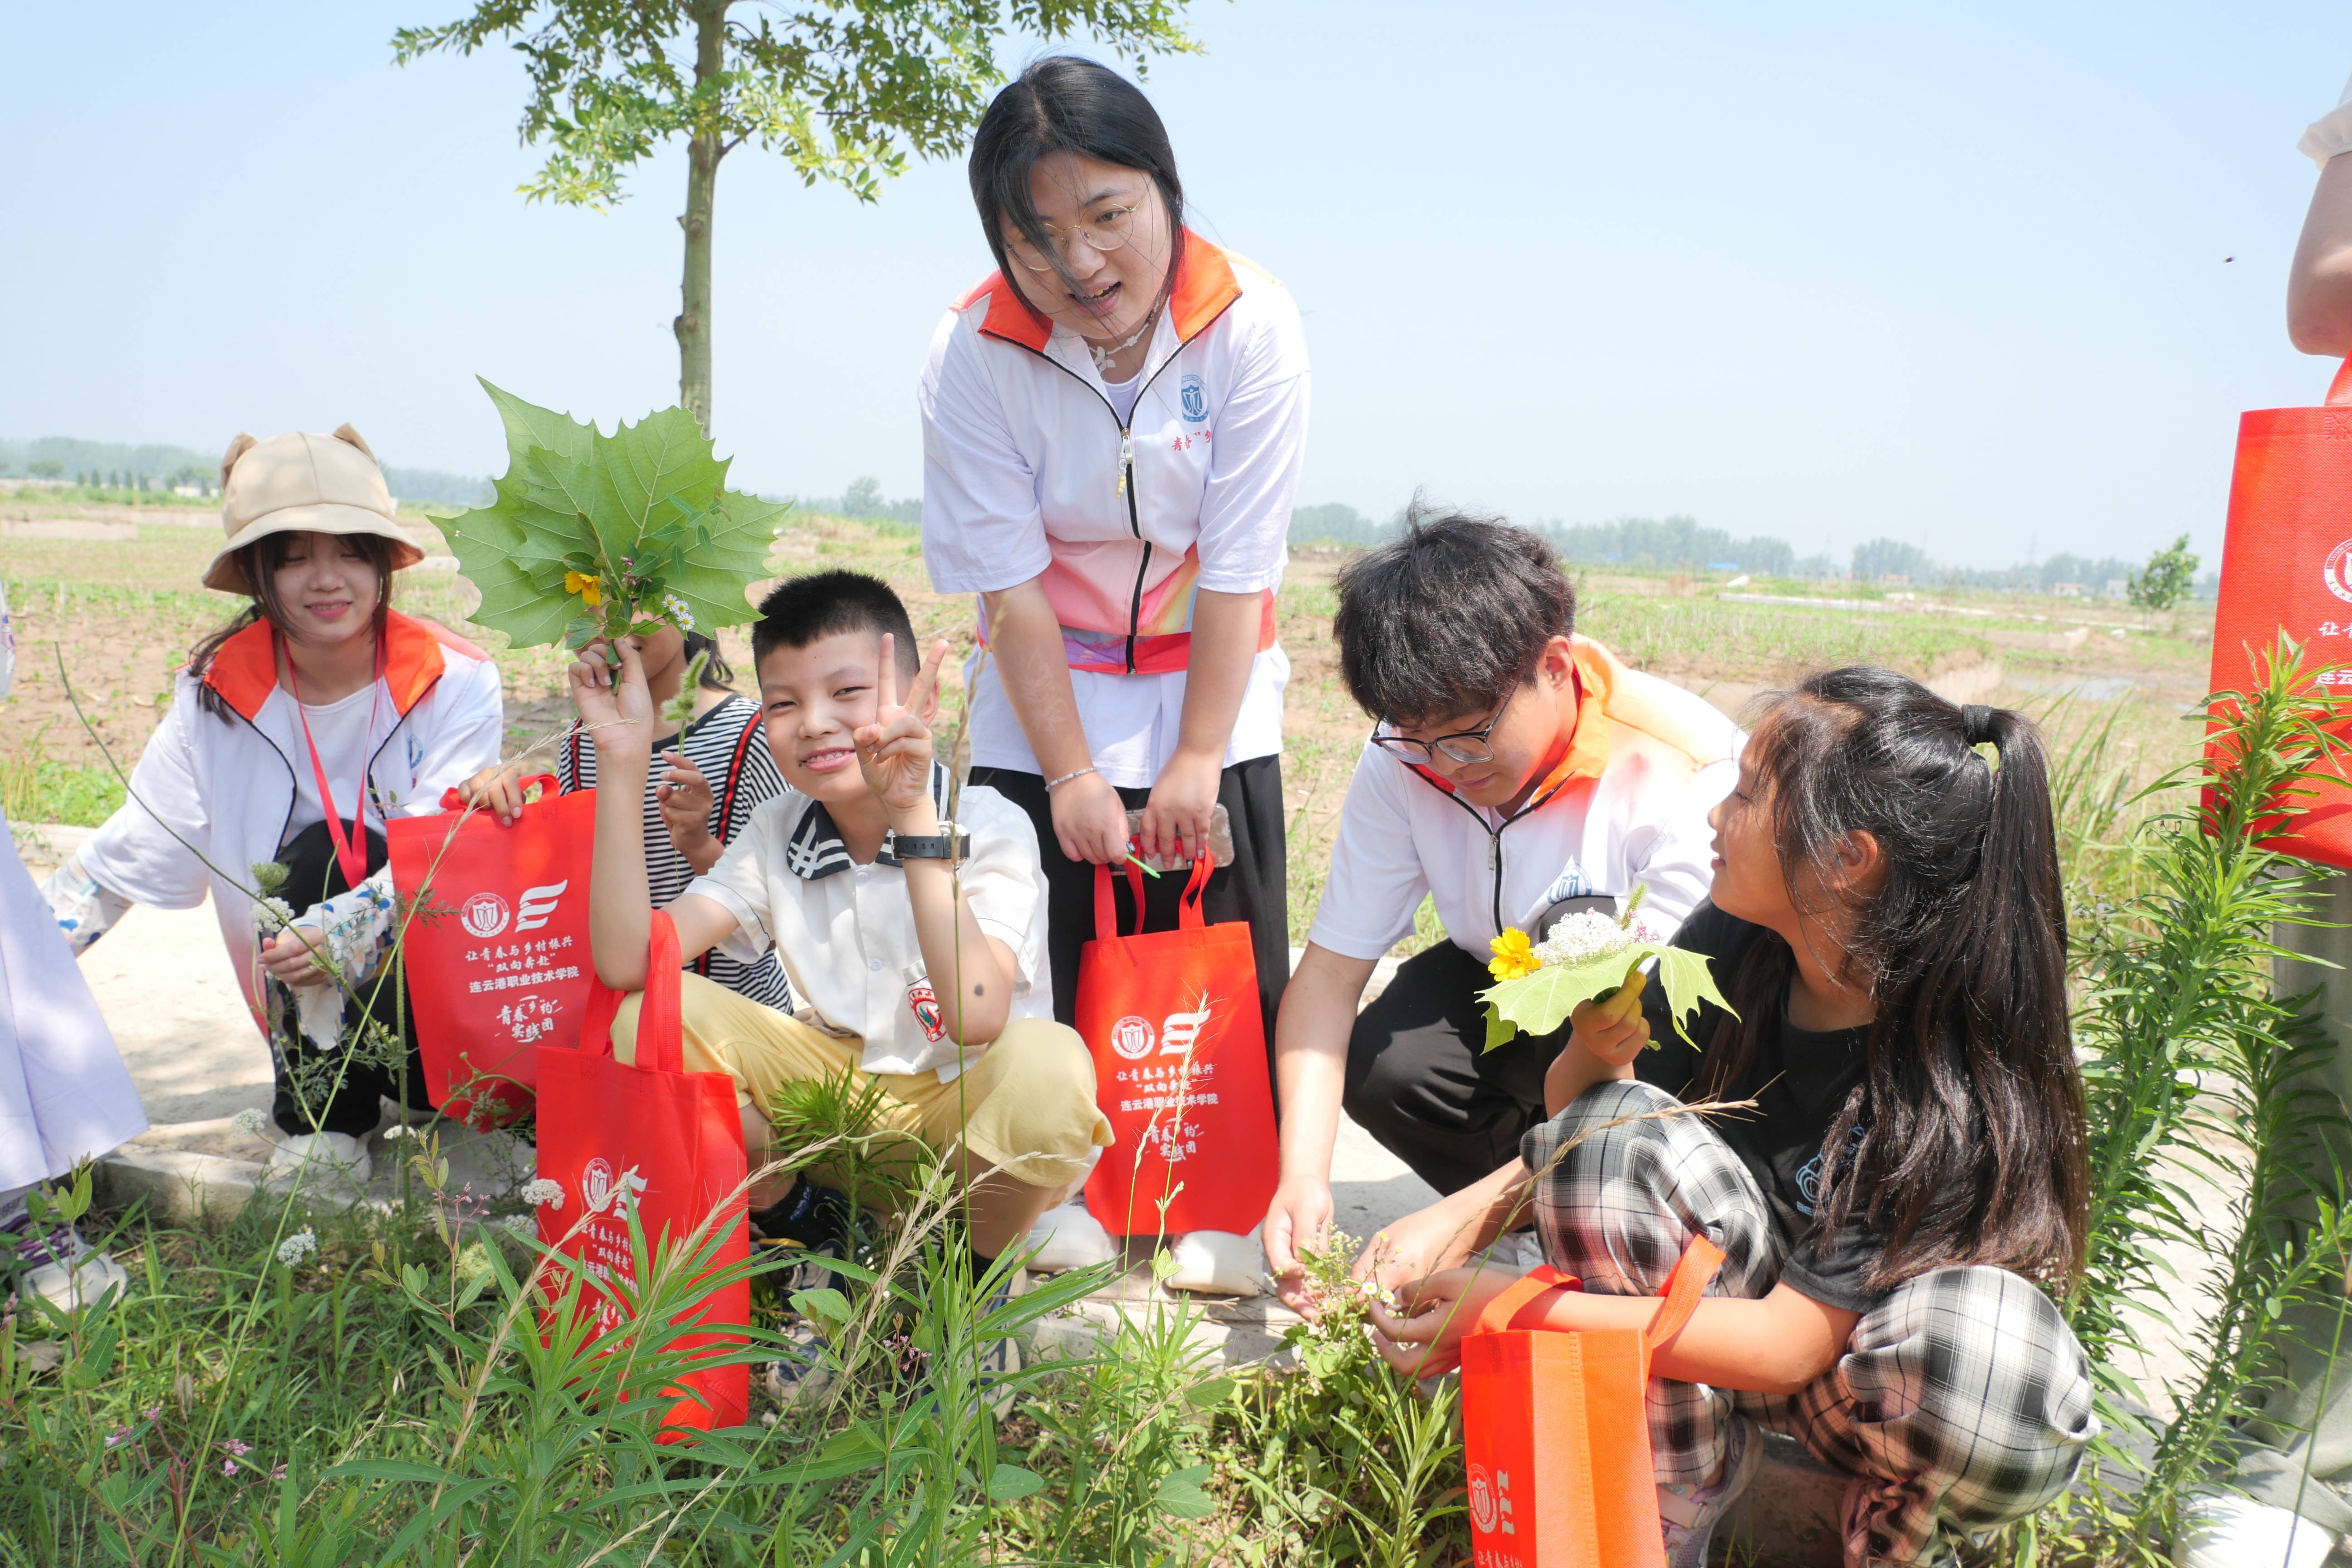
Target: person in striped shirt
[[716, 773]]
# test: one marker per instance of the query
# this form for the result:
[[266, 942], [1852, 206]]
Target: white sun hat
[[301, 483]]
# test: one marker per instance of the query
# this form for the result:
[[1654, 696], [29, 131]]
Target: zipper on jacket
[[1127, 461]]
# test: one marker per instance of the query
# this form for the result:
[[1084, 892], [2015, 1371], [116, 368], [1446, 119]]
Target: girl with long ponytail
[[1907, 1192]]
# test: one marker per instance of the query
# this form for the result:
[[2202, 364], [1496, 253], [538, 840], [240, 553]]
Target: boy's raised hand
[[615, 706], [894, 752]]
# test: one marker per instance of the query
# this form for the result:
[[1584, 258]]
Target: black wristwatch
[[953, 845]]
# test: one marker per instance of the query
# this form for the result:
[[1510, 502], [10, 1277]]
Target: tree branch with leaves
[[845, 93]]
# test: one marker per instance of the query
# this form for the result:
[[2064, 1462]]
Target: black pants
[[1254, 888], [342, 1094], [1418, 1082]]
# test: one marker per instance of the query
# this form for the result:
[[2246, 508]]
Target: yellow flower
[[1515, 956], [584, 583]]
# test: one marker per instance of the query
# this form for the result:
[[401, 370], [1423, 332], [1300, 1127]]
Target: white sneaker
[[2220, 1530], [56, 1264], [88, 1279], [1068, 1238], [1217, 1263], [319, 1157]]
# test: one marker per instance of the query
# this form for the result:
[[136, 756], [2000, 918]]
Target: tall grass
[[2195, 1069]]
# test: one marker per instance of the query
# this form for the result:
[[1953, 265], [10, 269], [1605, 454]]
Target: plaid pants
[[1961, 1400]]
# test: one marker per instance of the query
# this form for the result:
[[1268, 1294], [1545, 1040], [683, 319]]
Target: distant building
[[2065, 590], [1895, 579]]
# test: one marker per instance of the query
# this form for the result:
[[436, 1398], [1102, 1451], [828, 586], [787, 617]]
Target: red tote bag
[[655, 1139], [500, 971], [2286, 567], [1179, 1044], [1556, 1431]]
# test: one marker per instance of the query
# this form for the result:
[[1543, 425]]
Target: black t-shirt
[[1800, 1081]]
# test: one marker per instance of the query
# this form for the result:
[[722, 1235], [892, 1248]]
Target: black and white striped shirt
[[726, 743]]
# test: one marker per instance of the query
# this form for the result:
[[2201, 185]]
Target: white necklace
[[1104, 356]]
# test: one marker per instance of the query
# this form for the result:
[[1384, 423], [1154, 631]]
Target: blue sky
[[1951, 274]]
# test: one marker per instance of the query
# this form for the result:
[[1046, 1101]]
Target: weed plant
[[2196, 1071]]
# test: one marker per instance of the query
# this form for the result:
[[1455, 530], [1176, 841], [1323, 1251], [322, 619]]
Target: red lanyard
[[351, 849]]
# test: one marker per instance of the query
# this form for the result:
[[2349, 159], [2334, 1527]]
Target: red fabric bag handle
[[1188, 910], [1693, 1272], [661, 1044], [1689, 1280], [1106, 911], [1540, 1280], [452, 801], [2339, 391]]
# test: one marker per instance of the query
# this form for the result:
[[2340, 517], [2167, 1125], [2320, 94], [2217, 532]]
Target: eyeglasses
[[1464, 746], [1109, 232]]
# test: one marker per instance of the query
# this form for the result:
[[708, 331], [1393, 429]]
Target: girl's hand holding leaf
[[894, 752], [1606, 1037], [615, 706]]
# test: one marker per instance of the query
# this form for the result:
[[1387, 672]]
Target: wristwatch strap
[[933, 846]]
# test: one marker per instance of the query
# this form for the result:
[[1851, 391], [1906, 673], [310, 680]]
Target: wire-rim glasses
[[1109, 232]]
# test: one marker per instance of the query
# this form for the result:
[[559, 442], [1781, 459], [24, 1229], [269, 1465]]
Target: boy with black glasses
[[1517, 772]]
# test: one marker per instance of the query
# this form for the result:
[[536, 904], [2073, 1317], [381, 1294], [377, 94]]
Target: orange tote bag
[[1556, 1433], [1172, 1019], [2286, 567], [498, 955], [651, 1137]]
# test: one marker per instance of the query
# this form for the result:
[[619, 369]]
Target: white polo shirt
[[1627, 804], [845, 932]]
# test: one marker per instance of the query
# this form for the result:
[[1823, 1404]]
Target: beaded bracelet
[[1052, 785]]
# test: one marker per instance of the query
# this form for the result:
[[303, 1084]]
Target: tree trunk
[[693, 324]]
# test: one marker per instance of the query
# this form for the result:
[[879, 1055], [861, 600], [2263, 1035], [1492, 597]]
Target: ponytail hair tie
[[1976, 725]]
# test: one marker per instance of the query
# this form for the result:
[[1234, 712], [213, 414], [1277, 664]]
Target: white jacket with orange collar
[[213, 796], [1030, 472]]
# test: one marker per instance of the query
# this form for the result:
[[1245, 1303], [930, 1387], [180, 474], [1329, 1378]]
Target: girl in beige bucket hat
[[296, 732]]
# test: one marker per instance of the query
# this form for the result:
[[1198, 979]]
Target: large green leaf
[[1541, 1003], [713, 576], [529, 425], [644, 510]]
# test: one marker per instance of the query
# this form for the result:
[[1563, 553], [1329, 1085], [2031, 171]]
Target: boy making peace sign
[[916, 947]]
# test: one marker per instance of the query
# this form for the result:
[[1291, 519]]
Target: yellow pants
[[1026, 1105]]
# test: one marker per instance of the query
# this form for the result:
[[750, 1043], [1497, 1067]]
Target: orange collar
[[1588, 745], [1204, 285], [245, 668]]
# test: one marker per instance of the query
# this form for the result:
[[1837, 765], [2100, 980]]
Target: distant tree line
[[112, 465]]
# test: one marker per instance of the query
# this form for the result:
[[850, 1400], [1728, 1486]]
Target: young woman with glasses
[[1113, 426]]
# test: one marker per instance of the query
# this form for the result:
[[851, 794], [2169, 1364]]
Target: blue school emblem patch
[[1194, 397], [1571, 885]]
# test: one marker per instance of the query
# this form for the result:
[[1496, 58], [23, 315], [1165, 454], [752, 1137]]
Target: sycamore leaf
[[528, 425], [1541, 1003], [642, 512], [712, 577]]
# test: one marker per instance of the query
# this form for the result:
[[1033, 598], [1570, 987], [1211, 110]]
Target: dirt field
[[119, 614]]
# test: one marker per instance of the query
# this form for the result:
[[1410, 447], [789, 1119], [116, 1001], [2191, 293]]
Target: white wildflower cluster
[[251, 1122], [679, 612], [273, 915], [1581, 938], [298, 1247], [543, 1191], [520, 1225], [474, 1263]]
